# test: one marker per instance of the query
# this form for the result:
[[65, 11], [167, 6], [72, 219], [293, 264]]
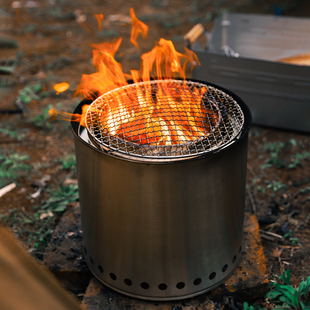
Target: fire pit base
[[248, 282], [164, 226], [64, 258]]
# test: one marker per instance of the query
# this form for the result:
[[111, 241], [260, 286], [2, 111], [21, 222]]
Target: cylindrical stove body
[[162, 230]]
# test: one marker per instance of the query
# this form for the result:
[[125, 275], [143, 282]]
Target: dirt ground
[[49, 42]]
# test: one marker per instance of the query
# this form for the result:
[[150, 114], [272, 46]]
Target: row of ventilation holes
[[163, 286]]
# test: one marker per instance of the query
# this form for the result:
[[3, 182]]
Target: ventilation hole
[[85, 251], [112, 276], [240, 249], [100, 268], [197, 281], [234, 259], [144, 285], [91, 259], [212, 275], [224, 268], [180, 285], [128, 282], [162, 286]]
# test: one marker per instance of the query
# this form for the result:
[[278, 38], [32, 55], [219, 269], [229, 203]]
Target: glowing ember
[[164, 112], [61, 87]]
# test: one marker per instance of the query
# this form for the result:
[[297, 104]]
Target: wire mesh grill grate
[[164, 119]]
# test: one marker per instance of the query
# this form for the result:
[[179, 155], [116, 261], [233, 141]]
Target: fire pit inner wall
[[162, 230]]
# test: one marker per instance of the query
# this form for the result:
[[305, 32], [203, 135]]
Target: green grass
[[276, 151], [273, 149], [35, 228], [31, 92], [297, 159], [42, 119], [286, 296], [68, 163], [12, 166], [283, 295], [13, 133], [59, 199], [32, 228], [275, 185]]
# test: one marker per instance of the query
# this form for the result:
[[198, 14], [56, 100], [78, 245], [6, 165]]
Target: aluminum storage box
[[253, 56]]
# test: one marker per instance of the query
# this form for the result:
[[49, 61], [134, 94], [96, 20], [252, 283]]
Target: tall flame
[[162, 62], [146, 123], [109, 73], [99, 18], [137, 28]]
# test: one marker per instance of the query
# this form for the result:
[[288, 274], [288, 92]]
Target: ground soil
[[54, 38]]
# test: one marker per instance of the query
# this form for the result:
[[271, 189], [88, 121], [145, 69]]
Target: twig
[[280, 261], [229, 302], [251, 171], [271, 234], [286, 258], [267, 238], [296, 194], [37, 193], [11, 111], [4, 190], [9, 141], [289, 247], [252, 201]]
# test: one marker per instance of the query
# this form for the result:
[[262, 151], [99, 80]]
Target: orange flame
[[109, 72], [151, 123], [162, 62], [137, 28], [53, 114], [109, 47], [99, 18], [61, 87]]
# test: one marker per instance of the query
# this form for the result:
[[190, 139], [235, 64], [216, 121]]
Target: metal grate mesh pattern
[[164, 119]]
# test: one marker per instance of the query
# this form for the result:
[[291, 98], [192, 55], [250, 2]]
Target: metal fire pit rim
[[160, 161], [75, 127], [220, 132]]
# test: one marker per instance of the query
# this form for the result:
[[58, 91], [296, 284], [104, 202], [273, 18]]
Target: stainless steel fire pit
[[164, 221]]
